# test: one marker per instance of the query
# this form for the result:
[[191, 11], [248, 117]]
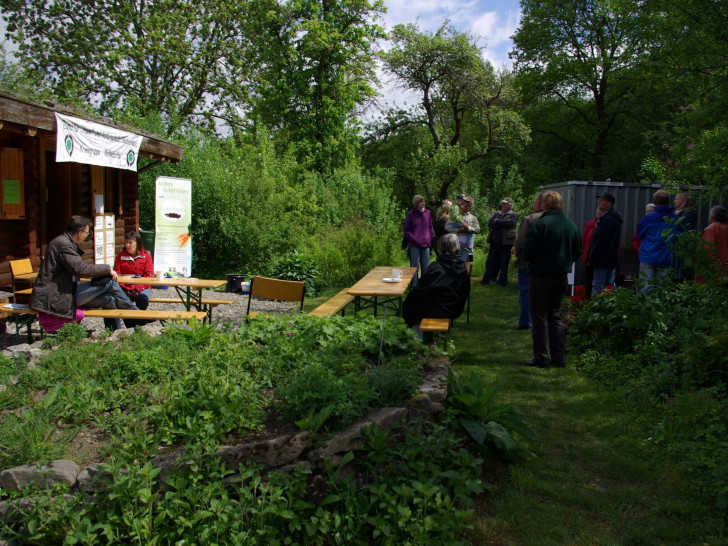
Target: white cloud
[[493, 20]]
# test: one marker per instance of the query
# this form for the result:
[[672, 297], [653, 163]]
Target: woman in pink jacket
[[419, 233]]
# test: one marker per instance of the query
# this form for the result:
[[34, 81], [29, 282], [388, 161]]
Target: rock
[[45, 477], [436, 389], [270, 453], [91, 479], [423, 403], [348, 439]]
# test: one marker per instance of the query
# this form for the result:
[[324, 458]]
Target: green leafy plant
[[473, 408], [294, 266]]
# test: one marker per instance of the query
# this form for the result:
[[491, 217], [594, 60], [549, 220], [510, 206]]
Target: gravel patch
[[235, 313]]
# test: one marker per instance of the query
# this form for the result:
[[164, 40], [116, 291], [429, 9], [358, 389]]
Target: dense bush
[[252, 203], [680, 325], [665, 353]]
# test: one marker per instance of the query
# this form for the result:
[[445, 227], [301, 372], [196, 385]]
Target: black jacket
[[440, 293], [54, 288], [604, 248]]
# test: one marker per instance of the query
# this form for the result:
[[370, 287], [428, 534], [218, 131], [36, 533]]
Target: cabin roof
[[23, 116]]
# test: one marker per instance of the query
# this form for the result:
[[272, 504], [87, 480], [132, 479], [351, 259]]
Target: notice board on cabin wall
[[104, 238], [12, 184]]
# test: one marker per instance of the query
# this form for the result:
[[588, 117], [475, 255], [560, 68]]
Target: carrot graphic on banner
[[183, 239]]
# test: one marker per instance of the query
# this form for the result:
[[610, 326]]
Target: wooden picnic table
[[371, 290], [189, 289]]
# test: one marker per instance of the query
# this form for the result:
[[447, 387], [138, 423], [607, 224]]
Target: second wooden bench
[[333, 305], [207, 305]]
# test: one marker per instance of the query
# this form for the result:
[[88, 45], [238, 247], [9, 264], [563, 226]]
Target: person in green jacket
[[550, 248]]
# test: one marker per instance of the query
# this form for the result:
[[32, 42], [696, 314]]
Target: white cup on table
[[160, 275], [396, 274]]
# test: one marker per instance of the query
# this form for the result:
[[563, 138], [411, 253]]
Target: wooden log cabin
[[41, 194]]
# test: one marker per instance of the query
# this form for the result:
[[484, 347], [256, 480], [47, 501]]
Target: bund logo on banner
[[87, 142]]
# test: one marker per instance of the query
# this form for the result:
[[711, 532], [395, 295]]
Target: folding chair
[[276, 289], [17, 269]]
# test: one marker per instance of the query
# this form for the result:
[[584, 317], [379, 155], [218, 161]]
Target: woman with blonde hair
[[442, 218]]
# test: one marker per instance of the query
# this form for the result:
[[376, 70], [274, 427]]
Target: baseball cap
[[466, 198], [507, 200], [607, 197], [460, 196]]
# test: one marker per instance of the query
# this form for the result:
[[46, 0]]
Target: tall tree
[[314, 71], [466, 107], [182, 59], [584, 55], [694, 59]]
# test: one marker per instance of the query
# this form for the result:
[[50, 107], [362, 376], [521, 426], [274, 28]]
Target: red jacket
[[586, 239], [141, 264]]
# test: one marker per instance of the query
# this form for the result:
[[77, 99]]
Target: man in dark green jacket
[[551, 247]]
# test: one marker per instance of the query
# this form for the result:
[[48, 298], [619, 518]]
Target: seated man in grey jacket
[[56, 290]]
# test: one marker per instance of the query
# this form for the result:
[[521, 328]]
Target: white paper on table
[[20, 306]]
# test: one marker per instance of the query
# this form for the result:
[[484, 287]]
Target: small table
[[371, 287], [189, 289]]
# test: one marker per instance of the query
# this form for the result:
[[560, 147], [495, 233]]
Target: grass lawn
[[597, 478]]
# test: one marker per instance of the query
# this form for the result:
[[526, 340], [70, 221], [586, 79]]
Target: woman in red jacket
[[134, 260], [586, 241]]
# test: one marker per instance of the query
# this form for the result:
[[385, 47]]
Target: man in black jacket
[[56, 290], [604, 249]]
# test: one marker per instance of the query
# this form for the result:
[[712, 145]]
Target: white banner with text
[[91, 143], [172, 241]]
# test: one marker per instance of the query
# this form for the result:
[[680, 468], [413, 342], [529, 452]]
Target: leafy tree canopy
[[178, 58], [467, 108], [586, 55]]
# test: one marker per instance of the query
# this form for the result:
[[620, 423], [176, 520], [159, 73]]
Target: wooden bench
[[333, 305], [207, 305], [436, 325], [134, 314]]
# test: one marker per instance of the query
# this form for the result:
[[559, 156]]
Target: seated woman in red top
[[134, 260]]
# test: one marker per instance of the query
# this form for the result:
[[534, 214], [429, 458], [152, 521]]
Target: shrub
[[296, 267]]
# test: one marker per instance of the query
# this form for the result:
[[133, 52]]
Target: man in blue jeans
[[56, 290], [524, 319], [604, 247]]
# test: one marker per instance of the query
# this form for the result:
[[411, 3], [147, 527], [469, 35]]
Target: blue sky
[[495, 21]]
